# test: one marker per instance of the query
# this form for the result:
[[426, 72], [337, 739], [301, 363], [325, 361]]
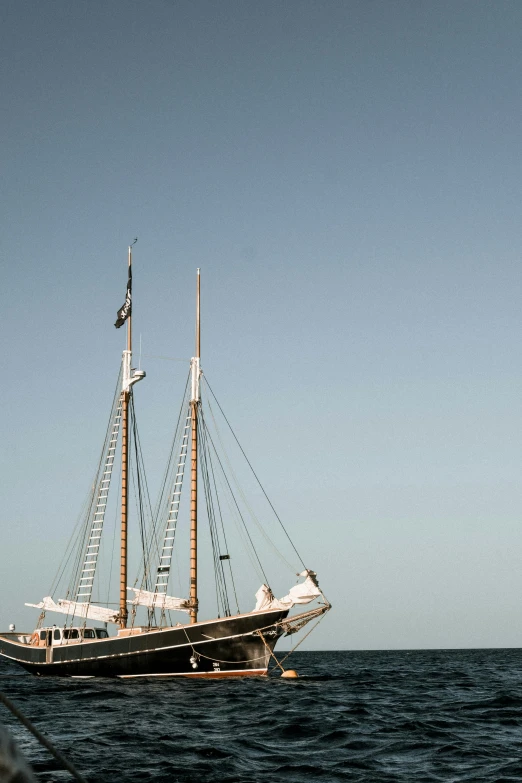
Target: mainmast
[[194, 404]]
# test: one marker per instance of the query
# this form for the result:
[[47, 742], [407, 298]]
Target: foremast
[[194, 406], [129, 378]]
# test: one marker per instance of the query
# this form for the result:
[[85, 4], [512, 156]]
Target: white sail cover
[[77, 609], [158, 600], [302, 593]]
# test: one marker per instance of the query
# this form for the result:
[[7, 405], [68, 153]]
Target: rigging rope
[[224, 534], [255, 474], [221, 586], [113, 546], [139, 476], [160, 513], [238, 510], [302, 640], [260, 527]]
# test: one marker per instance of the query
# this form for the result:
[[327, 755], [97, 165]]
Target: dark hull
[[229, 646]]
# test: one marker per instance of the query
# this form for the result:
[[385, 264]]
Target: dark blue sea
[[446, 715]]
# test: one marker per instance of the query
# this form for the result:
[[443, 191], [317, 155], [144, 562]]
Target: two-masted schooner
[[231, 644]]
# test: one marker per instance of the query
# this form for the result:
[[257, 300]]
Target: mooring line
[[270, 651]]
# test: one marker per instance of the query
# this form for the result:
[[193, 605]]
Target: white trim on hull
[[216, 674]]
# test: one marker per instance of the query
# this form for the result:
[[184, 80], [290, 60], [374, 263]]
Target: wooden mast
[[194, 468], [124, 472]]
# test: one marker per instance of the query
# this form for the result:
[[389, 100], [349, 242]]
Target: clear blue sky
[[348, 177]]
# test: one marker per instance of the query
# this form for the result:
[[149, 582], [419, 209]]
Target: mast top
[[198, 332], [194, 363]]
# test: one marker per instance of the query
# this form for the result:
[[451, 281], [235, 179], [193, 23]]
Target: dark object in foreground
[[13, 768]]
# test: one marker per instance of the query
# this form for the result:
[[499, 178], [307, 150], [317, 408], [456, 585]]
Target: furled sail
[[158, 600], [302, 593], [77, 609]]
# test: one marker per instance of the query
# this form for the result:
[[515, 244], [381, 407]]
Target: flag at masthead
[[126, 309]]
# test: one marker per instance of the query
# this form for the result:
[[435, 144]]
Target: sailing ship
[[231, 644]]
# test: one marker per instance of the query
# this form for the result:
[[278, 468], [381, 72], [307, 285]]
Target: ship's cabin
[[47, 637]]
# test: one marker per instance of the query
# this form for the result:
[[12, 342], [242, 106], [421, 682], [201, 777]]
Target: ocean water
[[446, 715]]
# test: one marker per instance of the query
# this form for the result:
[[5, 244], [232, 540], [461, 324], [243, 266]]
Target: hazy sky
[[348, 177]]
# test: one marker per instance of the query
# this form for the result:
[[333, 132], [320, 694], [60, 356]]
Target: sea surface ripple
[[445, 715]]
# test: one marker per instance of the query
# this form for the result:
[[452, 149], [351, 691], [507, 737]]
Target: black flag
[[126, 309]]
